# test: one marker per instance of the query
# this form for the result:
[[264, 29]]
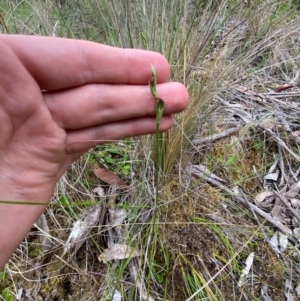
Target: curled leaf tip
[[152, 82], [153, 71]]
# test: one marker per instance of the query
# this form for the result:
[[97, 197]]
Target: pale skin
[[59, 98]]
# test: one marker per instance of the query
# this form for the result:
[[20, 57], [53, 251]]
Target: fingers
[[58, 63], [92, 105], [79, 141]]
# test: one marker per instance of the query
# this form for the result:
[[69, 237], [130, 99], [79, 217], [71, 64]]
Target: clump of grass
[[194, 280]]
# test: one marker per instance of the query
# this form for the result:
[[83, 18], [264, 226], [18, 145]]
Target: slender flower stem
[[159, 109]]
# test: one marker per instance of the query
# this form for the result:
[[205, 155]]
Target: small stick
[[218, 136], [286, 203]]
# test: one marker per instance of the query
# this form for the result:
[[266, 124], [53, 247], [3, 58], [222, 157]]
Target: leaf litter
[[81, 229], [119, 251], [278, 201]]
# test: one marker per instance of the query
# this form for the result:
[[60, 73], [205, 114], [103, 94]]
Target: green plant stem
[[159, 110]]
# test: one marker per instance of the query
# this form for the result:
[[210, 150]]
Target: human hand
[[59, 98]]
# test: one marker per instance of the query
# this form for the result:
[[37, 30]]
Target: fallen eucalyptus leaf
[[297, 289], [268, 123], [109, 177], [45, 237], [99, 191], [119, 251], [281, 88], [262, 196], [272, 176], [288, 289], [264, 293], [279, 242], [117, 216], [294, 190], [296, 232], [81, 228], [19, 294], [117, 295], [295, 202], [245, 271]]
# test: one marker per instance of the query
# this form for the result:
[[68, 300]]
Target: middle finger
[[96, 104]]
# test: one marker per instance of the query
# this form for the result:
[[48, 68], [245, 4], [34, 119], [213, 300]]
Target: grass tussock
[[235, 57]]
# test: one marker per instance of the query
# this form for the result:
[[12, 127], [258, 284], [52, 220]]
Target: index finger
[[58, 63]]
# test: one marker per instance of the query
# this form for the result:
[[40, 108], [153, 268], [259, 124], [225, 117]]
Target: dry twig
[[260, 212]]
